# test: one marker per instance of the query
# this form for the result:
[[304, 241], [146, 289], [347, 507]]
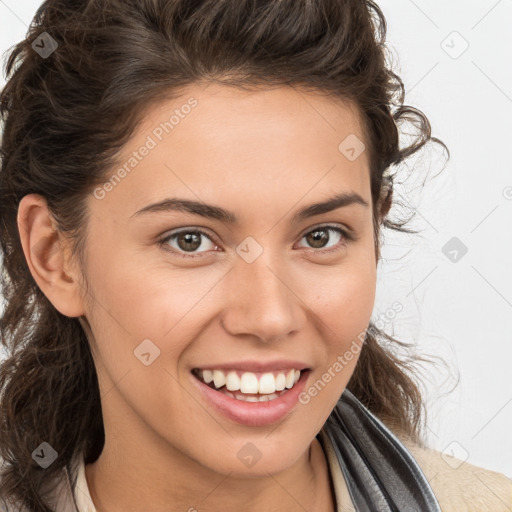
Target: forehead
[[216, 140], [221, 111]]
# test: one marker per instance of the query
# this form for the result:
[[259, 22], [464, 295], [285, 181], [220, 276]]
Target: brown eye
[[319, 237], [187, 241]]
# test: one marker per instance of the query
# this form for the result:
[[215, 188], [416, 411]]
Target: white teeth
[[219, 379], [232, 381], [243, 398], [290, 379], [268, 383], [249, 383], [280, 382], [207, 376]]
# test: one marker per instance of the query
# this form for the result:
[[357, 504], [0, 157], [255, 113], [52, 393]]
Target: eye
[[189, 240], [318, 238]]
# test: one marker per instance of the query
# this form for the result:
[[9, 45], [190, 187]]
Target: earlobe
[[44, 249]]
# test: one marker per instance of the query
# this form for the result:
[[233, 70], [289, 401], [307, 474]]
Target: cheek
[[144, 300], [152, 321], [343, 310], [345, 296]]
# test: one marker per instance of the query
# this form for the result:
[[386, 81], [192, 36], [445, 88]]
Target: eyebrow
[[225, 216]]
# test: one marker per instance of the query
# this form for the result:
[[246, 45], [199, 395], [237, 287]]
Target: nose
[[261, 301]]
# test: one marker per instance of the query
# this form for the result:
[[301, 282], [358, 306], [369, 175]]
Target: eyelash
[[346, 238]]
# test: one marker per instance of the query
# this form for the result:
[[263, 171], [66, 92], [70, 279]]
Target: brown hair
[[67, 114]]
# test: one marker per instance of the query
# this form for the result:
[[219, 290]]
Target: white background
[[459, 310]]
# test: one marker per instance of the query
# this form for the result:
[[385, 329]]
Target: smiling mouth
[[250, 386]]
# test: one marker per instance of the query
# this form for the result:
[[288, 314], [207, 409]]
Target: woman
[[191, 202]]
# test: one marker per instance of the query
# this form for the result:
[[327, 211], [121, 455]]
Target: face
[[255, 283]]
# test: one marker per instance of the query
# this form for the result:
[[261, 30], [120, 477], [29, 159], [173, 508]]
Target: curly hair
[[107, 62]]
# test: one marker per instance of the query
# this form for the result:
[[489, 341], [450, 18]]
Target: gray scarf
[[381, 475]]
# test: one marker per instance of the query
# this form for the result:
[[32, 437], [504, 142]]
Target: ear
[[48, 259]]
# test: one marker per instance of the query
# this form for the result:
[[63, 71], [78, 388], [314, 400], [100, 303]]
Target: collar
[[379, 471]]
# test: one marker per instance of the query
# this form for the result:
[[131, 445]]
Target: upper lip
[[257, 366]]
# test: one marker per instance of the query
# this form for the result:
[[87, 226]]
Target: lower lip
[[253, 414]]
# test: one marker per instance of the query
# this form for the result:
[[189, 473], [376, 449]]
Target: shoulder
[[460, 486]]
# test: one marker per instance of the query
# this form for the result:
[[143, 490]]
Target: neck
[[123, 483]]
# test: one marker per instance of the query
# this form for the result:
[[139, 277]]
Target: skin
[[262, 155]]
